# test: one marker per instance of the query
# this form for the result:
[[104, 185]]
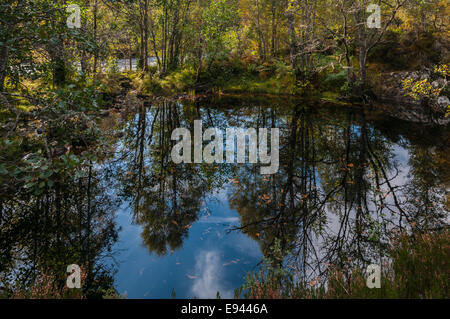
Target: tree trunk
[[130, 57], [274, 29], [56, 52], [145, 34], [362, 45], [4, 54], [261, 42], [292, 40], [95, 36]]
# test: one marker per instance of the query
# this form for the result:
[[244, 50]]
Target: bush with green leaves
[[416, 266]]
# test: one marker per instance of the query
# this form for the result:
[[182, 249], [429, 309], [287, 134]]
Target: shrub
[[417, 266], [335, 80]]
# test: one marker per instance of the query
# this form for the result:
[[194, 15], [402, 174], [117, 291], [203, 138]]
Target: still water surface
[[348, 177]]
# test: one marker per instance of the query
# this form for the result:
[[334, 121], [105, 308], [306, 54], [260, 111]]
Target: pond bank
[[390, 100]]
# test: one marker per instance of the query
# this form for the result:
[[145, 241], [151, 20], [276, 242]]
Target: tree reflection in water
[[339, 194], [166, 197], [71, 222], [347, 180]]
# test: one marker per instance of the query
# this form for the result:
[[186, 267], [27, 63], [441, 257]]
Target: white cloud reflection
[[207, 283]]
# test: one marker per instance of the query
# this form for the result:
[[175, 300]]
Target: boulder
[[443, 102]]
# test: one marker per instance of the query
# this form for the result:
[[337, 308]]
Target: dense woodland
[[60, 85], [298, 45]]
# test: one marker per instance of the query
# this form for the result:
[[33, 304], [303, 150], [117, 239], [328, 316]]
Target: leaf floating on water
[[231, 262]]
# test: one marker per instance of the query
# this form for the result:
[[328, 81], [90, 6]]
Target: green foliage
[[421, 264], [443, 69], [336, 80], [219, 16], [181, 80], [417, 267], [418, 89], [60, 131]]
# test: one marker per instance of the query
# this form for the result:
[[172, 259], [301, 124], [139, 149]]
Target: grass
[[417, 267]]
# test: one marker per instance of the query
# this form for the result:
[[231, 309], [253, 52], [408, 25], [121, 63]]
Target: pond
[[131, 64], [348, 178], [122, 65]]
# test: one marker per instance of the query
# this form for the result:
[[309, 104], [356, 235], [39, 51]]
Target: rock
[[414, 75], [439, 83], [443, 102]]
